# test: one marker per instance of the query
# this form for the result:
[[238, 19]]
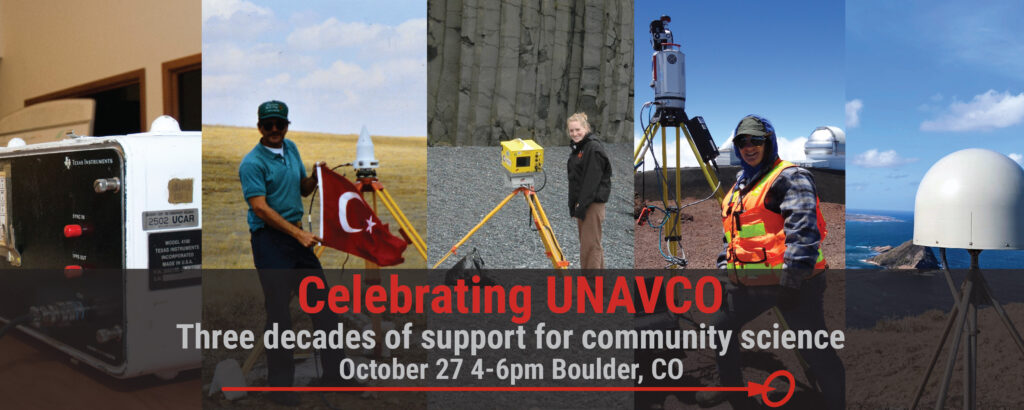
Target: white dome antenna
[[971, 199], [365, 159]]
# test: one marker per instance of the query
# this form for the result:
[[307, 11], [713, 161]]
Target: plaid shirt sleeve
[[793, 195]]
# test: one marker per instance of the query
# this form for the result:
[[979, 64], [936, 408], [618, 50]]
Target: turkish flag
[[349, 225]]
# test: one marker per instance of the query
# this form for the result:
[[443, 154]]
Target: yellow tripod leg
[[403, 222], [671, 225], [664, 169], [641, 150], [673, 231], [475, 228], [547, 235]]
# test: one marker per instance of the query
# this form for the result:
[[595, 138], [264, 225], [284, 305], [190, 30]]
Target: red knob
[[72, 231], [72, 271]]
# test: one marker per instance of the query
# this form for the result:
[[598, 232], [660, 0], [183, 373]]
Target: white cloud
[[884, 159], [215, 84], [235, 20], [792, 150], [853, 108], [984, 112], [342, 76], [334, 75], [686, 154], [1017, 157], [277, 80], [409, 36], [225, 9], [221, 58]]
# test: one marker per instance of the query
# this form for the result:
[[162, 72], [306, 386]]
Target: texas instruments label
[[175, 259]]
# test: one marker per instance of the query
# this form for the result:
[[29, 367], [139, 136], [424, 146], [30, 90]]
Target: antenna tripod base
[[964, 318]]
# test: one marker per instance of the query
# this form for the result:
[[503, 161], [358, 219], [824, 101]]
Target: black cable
[[643, 162], [545, 172], [14, 323], [712, 195], [530, 220]]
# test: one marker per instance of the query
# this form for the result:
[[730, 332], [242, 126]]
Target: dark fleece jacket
[[590, 175]]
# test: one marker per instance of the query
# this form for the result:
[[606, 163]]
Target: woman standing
[[590, 183]]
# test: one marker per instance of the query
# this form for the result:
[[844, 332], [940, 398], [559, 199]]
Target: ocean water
[[873, 294], [862, 236]]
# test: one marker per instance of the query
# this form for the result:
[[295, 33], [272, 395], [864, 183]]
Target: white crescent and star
[[343, 218]]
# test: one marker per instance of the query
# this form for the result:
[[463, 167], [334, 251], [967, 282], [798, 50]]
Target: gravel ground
[[465, 183]]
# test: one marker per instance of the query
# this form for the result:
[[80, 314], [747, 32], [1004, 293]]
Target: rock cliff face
[[507, 69], [907, 256]]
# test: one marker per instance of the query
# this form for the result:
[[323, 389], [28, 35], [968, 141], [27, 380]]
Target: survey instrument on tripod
[[522, 160]]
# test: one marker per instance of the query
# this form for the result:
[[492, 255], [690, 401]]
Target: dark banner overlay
[[524, 337]]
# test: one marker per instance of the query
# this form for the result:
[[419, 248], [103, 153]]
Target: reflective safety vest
[[755, 236]]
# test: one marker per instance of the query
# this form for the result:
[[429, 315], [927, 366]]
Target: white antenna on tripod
[[971, 199], [365, 158]]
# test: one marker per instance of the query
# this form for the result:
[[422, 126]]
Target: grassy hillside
[[403, 172]]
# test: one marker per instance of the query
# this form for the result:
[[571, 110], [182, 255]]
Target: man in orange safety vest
[[773, 231]]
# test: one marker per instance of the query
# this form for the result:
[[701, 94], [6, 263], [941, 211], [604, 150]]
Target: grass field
[[403, 172]]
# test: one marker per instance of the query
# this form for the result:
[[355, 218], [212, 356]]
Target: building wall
[[50, 45], [519, 68]]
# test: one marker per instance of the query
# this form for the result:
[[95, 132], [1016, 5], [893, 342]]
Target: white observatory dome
[[971, 199], [725, 152], [825, 142]]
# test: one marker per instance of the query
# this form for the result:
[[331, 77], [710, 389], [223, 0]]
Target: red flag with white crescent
[[348, 224]]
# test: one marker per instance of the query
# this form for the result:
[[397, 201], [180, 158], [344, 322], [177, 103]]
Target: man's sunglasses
[[742, 142], [270, 124]]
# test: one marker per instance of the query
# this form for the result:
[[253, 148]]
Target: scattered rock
[[672, 403], [907, 256], [227, 374], [881, 249]]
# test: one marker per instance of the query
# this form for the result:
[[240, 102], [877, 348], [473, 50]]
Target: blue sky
[[930, 78], [781, 60], [338, 65]]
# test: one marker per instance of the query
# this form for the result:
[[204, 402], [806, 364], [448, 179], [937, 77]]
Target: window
[[120, 102], [183, 91]]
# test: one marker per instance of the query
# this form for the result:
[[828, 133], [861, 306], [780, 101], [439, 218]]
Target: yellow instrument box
[[522, 156]]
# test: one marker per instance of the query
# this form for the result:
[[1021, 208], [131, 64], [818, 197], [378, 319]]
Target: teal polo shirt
[[277, 177]]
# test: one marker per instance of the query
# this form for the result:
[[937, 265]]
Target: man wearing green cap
[[273, 183]]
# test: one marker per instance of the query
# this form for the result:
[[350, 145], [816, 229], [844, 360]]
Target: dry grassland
[[403, 172]]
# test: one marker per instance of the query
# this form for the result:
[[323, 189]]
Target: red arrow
[[752, 389]]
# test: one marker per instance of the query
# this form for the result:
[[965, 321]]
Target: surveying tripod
[[547, 235], [974, 291], [671, 230]]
